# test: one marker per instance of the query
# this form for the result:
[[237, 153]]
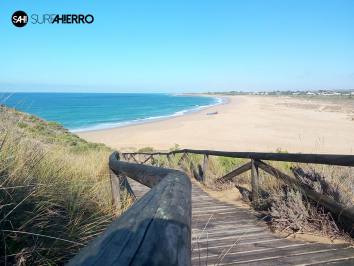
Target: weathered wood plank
[[138, 189], [227, 242], [221, 229], [341, 261], [144, 174], [254, 181], [243, 252], [240, 170], [247, 247], [147, 159], [212, 209], [156, 230], [133, 157], [115, 190], [330, 159], [287, 253], [250, 239], [195, 172], [247, 237], [205, 167], [297, 258]]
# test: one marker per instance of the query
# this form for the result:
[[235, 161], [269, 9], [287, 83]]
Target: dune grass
[[283, 206], [54, 193]]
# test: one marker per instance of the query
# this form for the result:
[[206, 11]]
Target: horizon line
[[177, 93]]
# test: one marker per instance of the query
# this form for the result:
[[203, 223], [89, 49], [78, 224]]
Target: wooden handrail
[[344, 214], [156, 230], [329, 159]]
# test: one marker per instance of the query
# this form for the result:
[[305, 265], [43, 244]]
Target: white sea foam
[[100, 126]]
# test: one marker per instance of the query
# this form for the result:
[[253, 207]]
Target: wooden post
[[168, 160], [254, 181], [123, 181], [115, 188], [133, 156], [205, 166], [147, 159], [195, 172], [231, 176]]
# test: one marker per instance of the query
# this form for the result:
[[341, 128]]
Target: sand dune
[[245, 123]]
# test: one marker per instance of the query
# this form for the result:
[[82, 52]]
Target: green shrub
[[228, 164], [21, 124], [146, 149]]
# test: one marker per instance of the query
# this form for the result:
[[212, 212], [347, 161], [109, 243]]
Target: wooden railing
[[345, 215], [329, 159], [156, 230]]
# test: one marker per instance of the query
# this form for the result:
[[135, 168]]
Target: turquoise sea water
[[92, 111]]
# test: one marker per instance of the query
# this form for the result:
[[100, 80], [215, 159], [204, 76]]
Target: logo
[[73, 19], [19, 19]]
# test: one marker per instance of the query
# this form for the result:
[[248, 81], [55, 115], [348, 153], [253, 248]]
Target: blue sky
[[180, 46]]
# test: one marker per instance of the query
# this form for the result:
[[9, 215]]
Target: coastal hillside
[[55, 190]]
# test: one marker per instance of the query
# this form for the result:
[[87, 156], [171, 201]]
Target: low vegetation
[[282, 206], [341, 94], [54, 193]]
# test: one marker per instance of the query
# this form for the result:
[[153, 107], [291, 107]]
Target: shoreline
[[244, 123], [220, 100]]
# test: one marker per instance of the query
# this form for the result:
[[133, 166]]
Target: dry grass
[[283, 206], [54, 191], [291, 213]]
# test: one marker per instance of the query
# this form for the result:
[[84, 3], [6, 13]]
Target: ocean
[[93, 111]]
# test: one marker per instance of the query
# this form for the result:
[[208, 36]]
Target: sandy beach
[[246, 123]]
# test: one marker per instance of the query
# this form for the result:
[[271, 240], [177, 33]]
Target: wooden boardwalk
[[223, 234]]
